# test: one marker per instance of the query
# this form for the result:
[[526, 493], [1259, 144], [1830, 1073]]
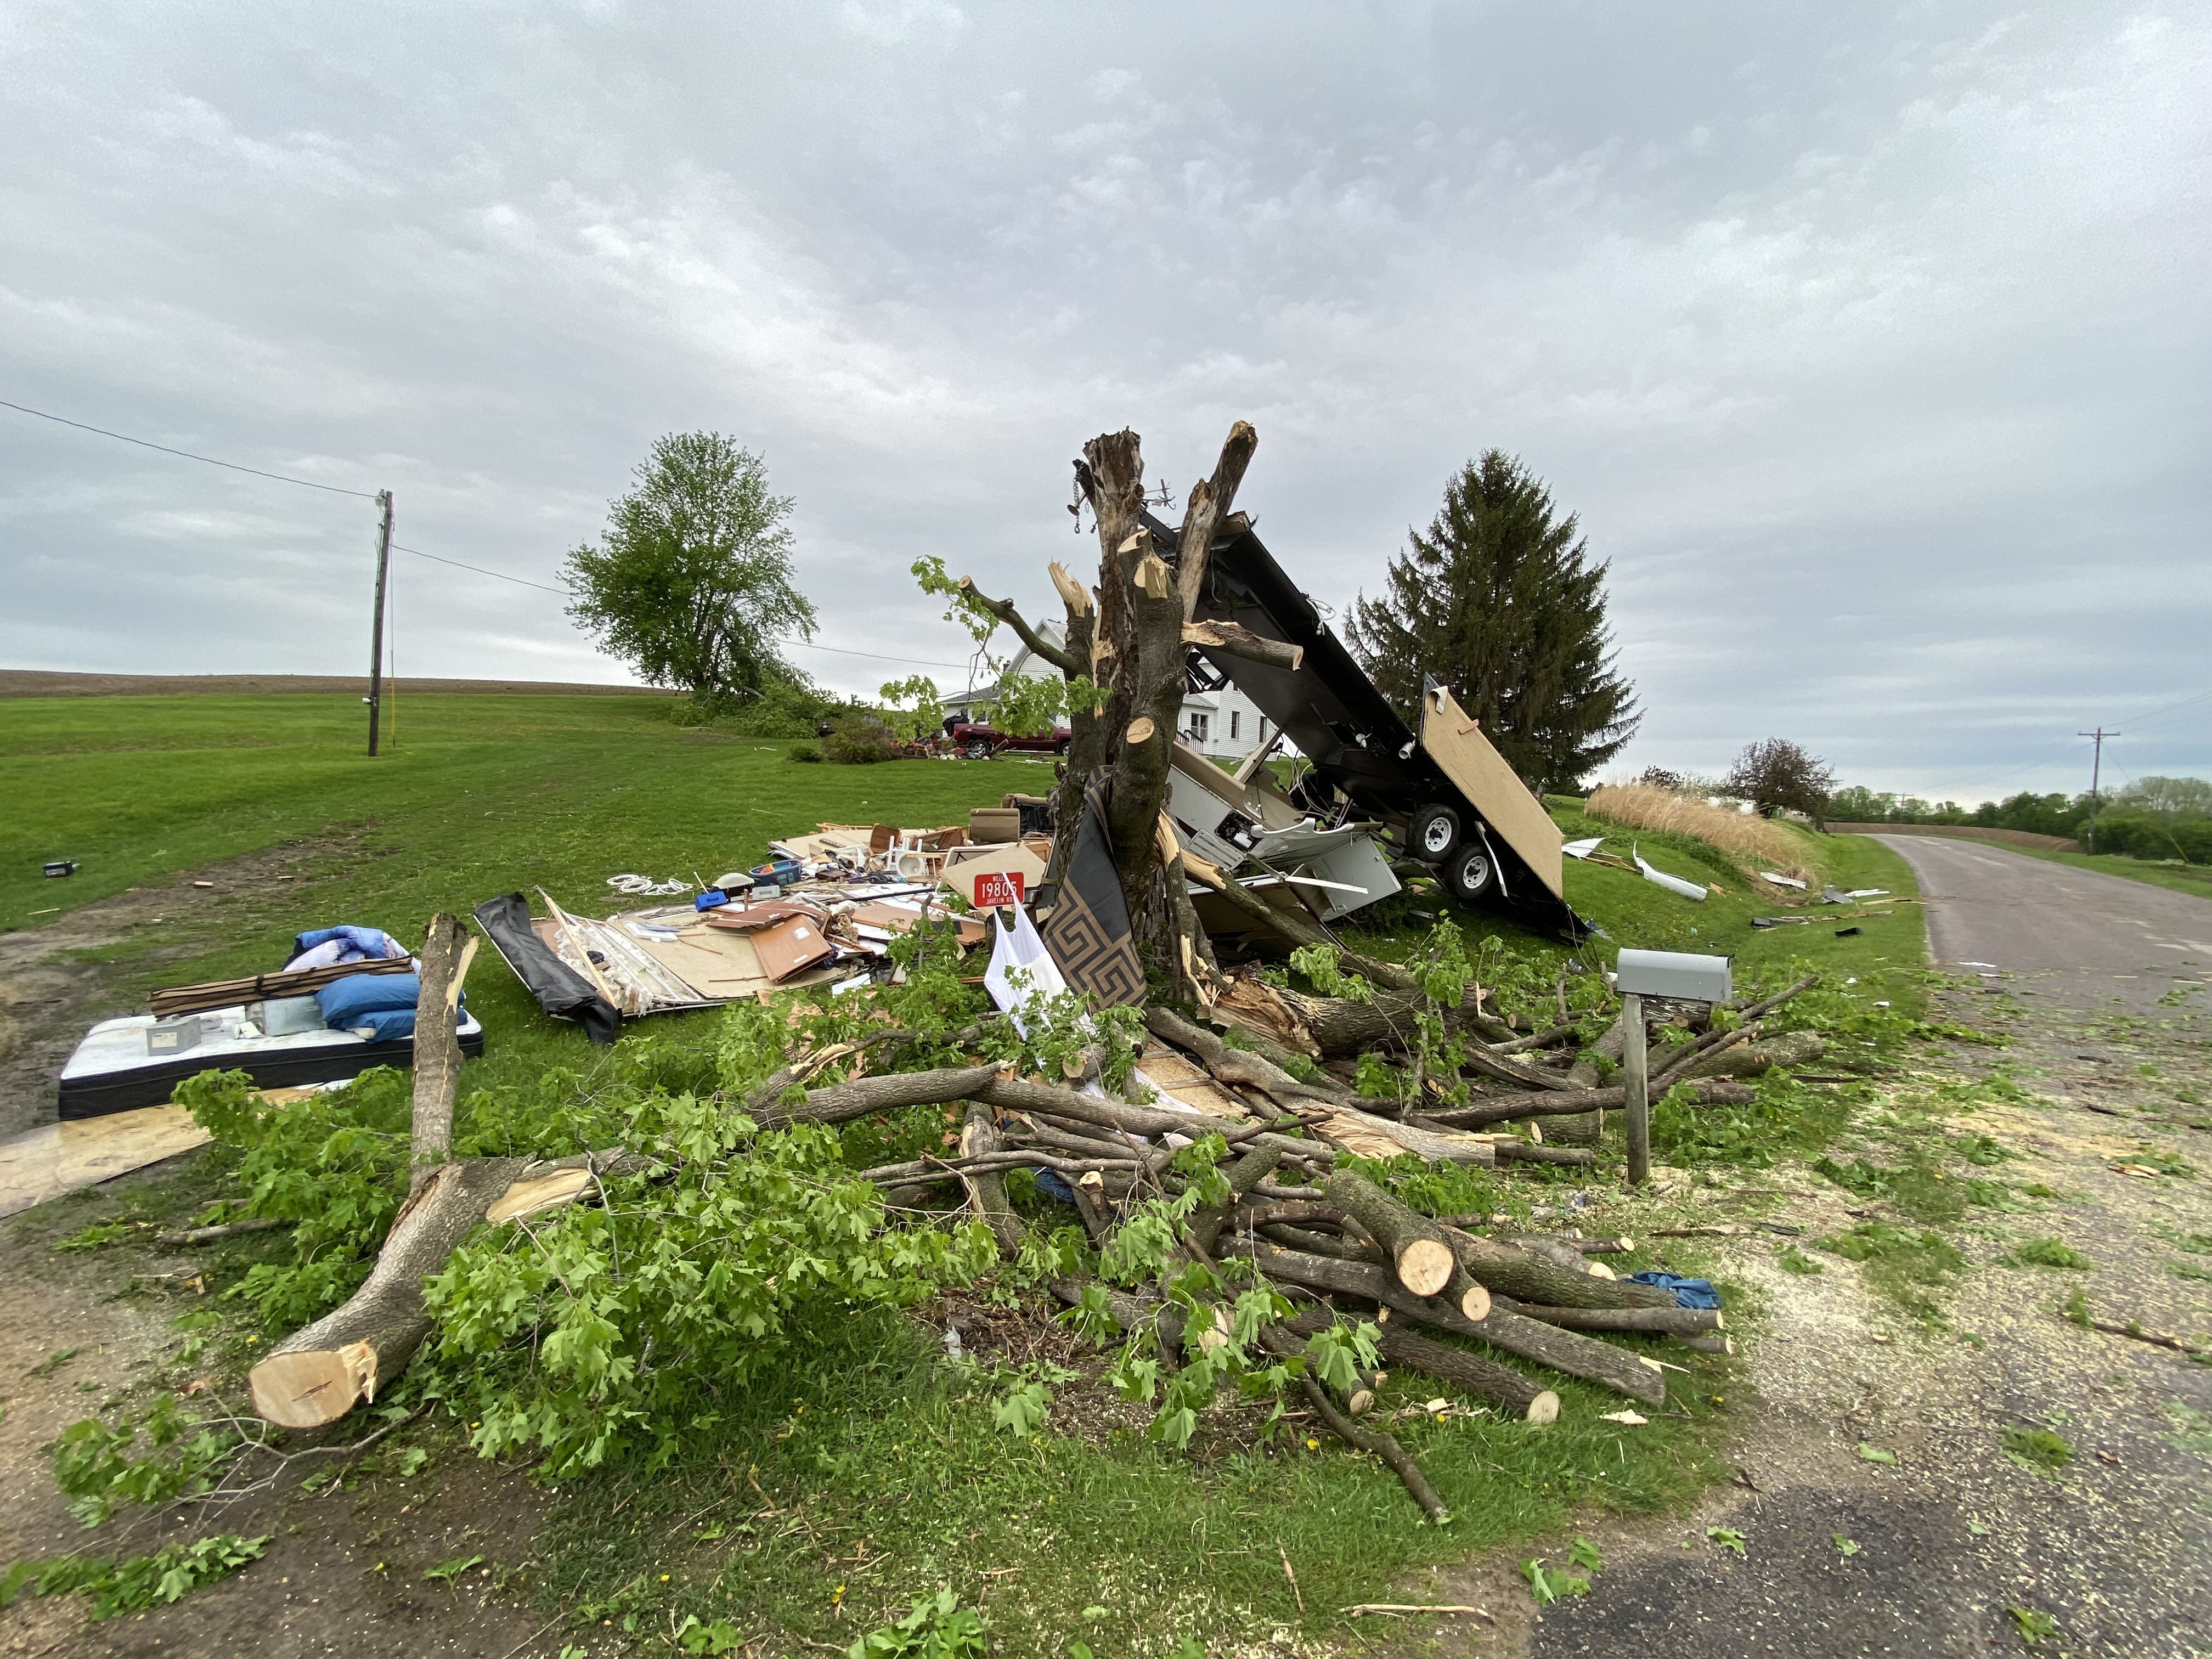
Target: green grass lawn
[[892, 1481], [483, 795]]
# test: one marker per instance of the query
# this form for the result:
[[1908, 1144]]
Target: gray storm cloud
[[1871, 347]]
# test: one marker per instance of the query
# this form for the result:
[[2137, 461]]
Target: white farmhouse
[[1223, 723]]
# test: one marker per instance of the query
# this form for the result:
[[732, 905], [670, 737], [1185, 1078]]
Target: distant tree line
[[2153, 818]]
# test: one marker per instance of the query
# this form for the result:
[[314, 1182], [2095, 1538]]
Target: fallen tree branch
[[1234, 640], [1493, 1109], [840, 1103], [1679, 1321], [1527, 1151], [1547, 1344], [2137, 1333], [1525, 1276], [1239, 1065], [985, 1187], [1440, 1360], [1375, 1442], [215, 1234]]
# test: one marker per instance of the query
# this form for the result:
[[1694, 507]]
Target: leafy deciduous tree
[[692, 585], [1777, 775], [1499, 601]]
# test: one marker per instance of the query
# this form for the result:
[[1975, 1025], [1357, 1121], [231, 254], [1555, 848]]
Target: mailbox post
[[1674, 976]]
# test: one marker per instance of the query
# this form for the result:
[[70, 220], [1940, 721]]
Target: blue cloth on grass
[[1688, 1292]]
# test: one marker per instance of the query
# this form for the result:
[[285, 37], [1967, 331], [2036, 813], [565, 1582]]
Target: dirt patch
[[345, 1563], [1956, 1533], [51, 987]]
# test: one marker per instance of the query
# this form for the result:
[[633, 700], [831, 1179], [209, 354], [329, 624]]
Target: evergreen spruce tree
[[1499, 601]]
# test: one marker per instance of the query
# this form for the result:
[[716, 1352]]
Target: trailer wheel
[[1434, 832], [1470, 874]]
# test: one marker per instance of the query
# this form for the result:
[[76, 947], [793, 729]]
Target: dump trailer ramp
[[1357, 743], [1456, 745]]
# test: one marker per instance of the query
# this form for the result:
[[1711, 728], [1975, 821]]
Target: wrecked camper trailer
[[1444, 795]]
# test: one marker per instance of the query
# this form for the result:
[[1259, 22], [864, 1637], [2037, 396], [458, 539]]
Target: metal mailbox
[[1676, 974]]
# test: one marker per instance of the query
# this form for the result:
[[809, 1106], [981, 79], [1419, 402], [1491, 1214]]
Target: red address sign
[[996, 887]]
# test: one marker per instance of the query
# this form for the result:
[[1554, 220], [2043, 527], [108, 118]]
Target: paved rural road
[[2089, 938], [1955, 1534]]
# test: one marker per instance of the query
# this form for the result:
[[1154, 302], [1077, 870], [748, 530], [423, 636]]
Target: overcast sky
[[1871, 346]]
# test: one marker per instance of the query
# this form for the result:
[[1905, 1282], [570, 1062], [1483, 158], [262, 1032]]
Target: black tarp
[[560, 989]]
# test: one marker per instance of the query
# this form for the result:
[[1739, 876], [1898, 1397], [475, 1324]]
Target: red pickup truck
[[977, 741]]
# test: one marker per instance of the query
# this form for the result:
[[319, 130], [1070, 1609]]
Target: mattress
[[112, 1071]]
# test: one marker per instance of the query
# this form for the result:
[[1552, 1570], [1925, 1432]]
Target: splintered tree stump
[[1418, 1250], [316, 1375], [447, 953]]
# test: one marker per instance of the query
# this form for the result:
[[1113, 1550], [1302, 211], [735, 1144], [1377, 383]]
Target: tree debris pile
[[1217, 1201], [1274, 1183]]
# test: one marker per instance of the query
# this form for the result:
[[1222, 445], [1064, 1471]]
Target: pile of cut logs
[[1328, 1239]]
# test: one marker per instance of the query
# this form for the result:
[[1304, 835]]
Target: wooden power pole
[[376, 628], [2096, 777]]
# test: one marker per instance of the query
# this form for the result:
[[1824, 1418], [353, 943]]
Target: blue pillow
[[385, 1024], [344, 1001]]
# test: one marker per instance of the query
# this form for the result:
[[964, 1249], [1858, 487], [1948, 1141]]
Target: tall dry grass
[[1748, 840]]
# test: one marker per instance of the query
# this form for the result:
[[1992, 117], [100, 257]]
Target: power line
[[916, 662], [281, 478], [438, 558]]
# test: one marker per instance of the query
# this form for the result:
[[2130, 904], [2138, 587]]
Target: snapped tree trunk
[[447, 950], [316, 1375]]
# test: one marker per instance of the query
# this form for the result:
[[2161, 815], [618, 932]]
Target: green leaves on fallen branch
[[138, 1582]]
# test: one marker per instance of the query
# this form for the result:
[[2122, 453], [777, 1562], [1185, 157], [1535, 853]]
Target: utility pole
[[376, 628], [2096, 771]]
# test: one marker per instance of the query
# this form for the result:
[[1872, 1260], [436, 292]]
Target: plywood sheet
[[55, 1159], [1457, 745], [897, 918], [1184, 1080]]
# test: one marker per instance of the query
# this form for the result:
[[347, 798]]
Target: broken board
[[56, 1158]]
